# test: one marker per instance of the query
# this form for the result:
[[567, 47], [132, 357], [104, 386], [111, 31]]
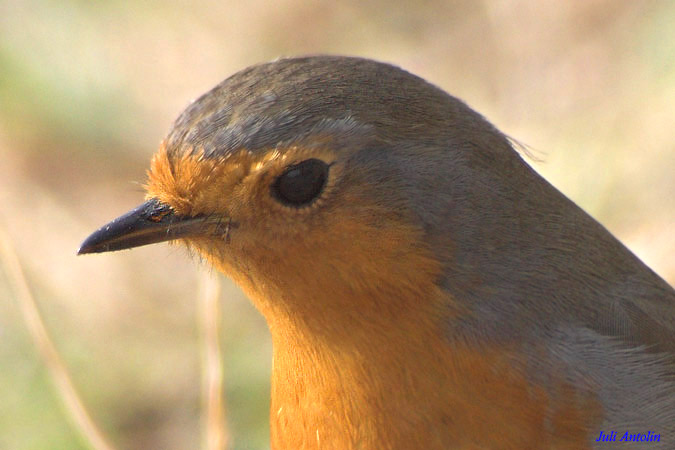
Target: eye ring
[[300, 184]]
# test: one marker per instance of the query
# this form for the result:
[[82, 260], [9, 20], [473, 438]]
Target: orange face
[[288, 257]]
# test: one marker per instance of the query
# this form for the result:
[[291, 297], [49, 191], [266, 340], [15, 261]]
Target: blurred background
[[88, 90]]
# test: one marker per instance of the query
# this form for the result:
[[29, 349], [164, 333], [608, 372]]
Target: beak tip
[[83, 250], [98, 242], [88, 247]]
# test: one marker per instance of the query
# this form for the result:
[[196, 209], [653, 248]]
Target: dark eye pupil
[[301, 183]]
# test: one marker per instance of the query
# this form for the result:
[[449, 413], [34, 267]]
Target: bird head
[[319, 182]]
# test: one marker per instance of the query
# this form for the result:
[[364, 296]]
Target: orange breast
[[417, 392]]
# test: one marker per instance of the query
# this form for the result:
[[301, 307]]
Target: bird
[[424, 287]]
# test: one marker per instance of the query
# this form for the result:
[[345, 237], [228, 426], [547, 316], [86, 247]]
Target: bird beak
[[149, 223]]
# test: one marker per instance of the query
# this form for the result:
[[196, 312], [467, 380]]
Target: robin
[[423, 286]]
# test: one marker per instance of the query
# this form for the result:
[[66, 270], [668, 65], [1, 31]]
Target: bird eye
[[301, 183]]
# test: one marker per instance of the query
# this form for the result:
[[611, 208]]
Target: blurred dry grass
[[48, 352], [87, 90]]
